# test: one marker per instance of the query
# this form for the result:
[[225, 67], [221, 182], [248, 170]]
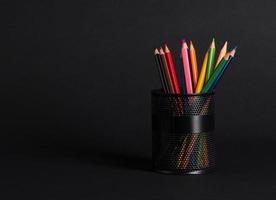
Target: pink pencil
[[186, 66]]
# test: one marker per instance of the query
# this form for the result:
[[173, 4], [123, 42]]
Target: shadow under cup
[[182, 133]]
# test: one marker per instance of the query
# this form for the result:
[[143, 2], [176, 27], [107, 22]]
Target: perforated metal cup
[[182, 133]]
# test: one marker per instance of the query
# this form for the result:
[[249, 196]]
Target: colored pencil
[[161, 71], [215, 75], [232, 54], [167, 71], [177, 104], [193, 156], [205, 156], [182, 152], [200, 149], [202, 74], [172, 69], [186, 66], [222, 53], [194, 67], [211, 59], [190, 148]]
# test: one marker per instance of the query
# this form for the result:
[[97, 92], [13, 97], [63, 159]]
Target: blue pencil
[[214, 85]]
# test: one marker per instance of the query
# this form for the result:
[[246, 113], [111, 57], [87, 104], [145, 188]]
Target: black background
[[75, 82]]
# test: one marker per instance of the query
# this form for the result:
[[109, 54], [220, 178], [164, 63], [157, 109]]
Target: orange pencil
[[194, 67]]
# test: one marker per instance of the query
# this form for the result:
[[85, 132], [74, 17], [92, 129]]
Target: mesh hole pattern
[[183, 105], [186, 152], [191, 152]]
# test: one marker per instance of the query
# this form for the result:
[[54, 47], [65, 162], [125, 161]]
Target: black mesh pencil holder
[[182, 133]]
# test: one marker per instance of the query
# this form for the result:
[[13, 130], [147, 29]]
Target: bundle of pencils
[[191, 81], [206, 81]]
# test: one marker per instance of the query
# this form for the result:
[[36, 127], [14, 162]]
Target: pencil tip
[[213, 43], [225, 45], [156, 51], [185, 45], [226, 57], [161, 50], [166, 48], [191, 44], [232, 53]]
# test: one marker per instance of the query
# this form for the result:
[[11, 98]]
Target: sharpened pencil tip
[[156, 51], [213, 44], [161, 50], [225, 45], [226, 57], [166, 48], [191, 45], [184, 45], [232, 53]]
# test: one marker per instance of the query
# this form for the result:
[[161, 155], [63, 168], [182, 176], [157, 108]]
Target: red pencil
[[172, 69]]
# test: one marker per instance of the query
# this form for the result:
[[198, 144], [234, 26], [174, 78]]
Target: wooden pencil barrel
[[182, 133]]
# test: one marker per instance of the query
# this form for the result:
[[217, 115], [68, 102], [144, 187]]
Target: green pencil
[[216, 74], [211, 60]]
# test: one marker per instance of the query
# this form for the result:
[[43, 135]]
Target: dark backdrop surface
[[75, 97]]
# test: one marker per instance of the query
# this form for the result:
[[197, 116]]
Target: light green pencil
[[211, 61]]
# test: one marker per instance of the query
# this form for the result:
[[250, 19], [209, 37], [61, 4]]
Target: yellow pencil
[[222, 53], [202, 74], [193, 61]]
